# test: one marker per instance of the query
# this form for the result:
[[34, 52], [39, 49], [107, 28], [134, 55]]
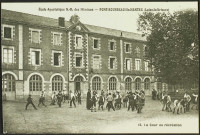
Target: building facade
[[45, 54]]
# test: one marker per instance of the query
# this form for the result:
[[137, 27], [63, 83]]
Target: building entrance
[[78, 83]]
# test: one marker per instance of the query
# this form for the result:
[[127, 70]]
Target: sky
[[121, 20]]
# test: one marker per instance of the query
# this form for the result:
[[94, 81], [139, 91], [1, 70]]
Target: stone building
[[45, 54]]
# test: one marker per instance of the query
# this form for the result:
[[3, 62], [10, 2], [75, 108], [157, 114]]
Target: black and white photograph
[[100, 67]]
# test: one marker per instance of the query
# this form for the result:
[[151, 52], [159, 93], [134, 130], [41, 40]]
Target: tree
[[173, 45]]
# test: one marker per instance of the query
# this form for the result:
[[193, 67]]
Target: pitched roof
[[114, 32], [46, 21], [31, 19]]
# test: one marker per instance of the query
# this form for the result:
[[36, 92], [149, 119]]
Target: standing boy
[[72, 99], [110, 100], [30, 101]]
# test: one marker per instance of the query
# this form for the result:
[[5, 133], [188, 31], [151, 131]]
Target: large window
[[112, 63], [35, 35], [79, 60], [96, 83], [128, 64], [96, 62], [56, 38], [128, 83], [128, 46], [8, 83], [137, 64], [137, 52], [57, 83], [57, 58], [35, 56], [147, 84], [137, 84], [95, 43], [146, 66], [112, 46], [8, 31], [35, 83], [78, 41], [8, 55], [112, 83]]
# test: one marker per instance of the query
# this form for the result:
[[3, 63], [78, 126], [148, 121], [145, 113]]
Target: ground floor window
[[112, 83], [96, 83], [137, 84], [128, 83], [57, 83], [8, 83], [35, 83], [147, 84]]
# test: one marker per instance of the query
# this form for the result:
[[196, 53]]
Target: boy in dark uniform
[[94, 100], [101, 101], [88, 103], [30, 101], [131, 101], [59, 98], [79, 97]]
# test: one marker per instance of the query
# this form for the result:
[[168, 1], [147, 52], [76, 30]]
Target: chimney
[[61, 21]]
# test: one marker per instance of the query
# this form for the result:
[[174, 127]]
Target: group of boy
[[135, 100], [59, 97], [179, 105]]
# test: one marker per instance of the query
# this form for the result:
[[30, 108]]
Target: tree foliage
[[173, 45]]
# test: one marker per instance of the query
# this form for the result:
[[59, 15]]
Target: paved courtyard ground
[[52, 119]]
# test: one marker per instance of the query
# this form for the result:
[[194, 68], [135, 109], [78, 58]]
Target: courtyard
[[52, 119]]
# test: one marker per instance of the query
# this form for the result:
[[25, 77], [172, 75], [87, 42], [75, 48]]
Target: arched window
[[57, 83], [137, 51], [137, 84], [35, 83], [147, 84], [8, 82], [112, 83], [96, 83], [128, 83]]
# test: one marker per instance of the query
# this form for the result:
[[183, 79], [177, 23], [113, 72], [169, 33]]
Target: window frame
[[58, 82], [147, 84], [40, 58], [13, 52], [35, 82], [7, 81], [61, 58], [81, 65], [128, 84], [76, 46], [126, 43], [12, 31], [146, 67], [93, 61], [98, 43], [96, 83], [114, 64], [136, 64], [31, 36], [112, 84], [130, 64], [137, 52], [60, 37]]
